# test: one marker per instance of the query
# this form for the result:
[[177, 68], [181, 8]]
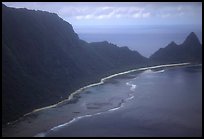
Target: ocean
[[167, 103], [142, 39], [160, 101]]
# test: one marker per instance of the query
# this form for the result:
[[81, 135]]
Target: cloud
[[105, 12], [165, 15], [136, 15], [125, 11], [89, 16], [145, 15]]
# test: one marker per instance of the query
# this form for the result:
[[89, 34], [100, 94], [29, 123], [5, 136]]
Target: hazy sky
[[121, 13], [125, 17]]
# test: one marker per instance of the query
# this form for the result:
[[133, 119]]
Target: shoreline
[[95, 84], [50, 125]]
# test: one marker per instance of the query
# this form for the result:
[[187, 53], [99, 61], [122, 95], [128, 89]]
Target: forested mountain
[[43, 61], [189, 51]]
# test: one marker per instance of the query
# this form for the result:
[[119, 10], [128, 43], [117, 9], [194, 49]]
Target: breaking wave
[[120, 105], [133, 86], [159, 71], [131, 96]]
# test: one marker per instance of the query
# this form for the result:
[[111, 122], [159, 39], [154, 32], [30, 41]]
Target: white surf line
[[42, 134], [159, 71], [130, 98], [101, 82], [112, 109], [121, 104]]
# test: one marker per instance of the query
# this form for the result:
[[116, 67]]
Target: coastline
[[21, 127]]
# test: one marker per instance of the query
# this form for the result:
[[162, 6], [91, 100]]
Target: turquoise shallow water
[[152, 103]]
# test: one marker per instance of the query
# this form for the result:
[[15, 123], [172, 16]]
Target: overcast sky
[[173, 19]]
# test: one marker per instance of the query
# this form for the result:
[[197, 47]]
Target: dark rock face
[[189, 51], [43, 61]]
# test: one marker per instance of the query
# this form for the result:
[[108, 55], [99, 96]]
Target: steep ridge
[[43, 61], [189, 51]]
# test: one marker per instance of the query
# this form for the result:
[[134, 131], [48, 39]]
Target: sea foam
[[133, 86], [159, 71]]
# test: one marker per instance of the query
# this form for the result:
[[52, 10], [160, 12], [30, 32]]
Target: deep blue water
[[152, 103], [145, 43]]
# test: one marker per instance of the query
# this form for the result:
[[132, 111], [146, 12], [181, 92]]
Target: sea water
[[167, 102]]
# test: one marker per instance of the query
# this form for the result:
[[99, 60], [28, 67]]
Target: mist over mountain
[[43, 61]]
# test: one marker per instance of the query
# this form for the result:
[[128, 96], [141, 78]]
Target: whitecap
[[135, 78], [73, 120], [116, 108], [133, 86], [159, 71], [148, 71], [130, 98], [128, 83]]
